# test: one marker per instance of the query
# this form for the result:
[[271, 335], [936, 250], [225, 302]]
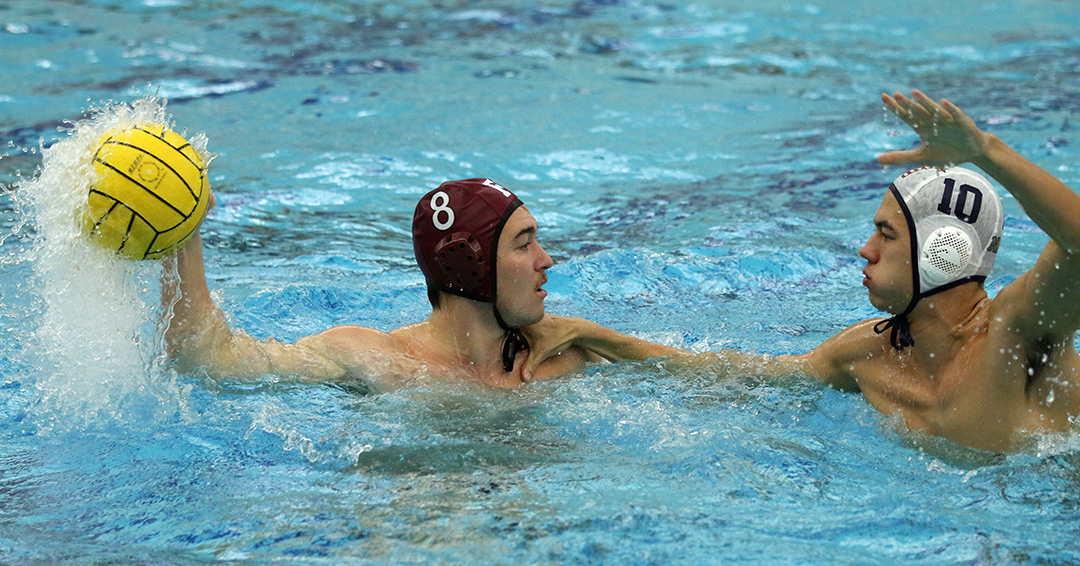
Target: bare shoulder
[[1014, 326], [349, 337], [568, 361], [841, 359], [1041, 304], [1011, 304], [861, 334]]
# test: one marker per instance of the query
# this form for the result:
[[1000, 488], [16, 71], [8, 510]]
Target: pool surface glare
[[703, 176]]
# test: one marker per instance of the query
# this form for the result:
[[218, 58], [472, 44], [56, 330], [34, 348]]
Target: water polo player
[[476, 245], [949, 360]]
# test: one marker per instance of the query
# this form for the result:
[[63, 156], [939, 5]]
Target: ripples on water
[[704, 177]]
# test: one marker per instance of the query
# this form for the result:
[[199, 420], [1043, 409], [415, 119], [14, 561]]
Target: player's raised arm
[[1044, 300], [199, 338]]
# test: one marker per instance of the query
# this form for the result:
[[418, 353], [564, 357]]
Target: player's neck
[[939, 322], [468, 334]]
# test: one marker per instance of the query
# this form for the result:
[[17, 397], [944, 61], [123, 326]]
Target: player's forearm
[[615, 346], [1050, 203], [197, 325]]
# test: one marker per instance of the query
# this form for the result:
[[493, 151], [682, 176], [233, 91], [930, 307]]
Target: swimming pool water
[[703, 174]]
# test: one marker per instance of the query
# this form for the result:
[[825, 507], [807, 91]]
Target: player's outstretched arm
[[1044, 301], [556, 334]]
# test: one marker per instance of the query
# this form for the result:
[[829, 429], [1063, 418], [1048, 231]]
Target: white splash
[[96, 350]]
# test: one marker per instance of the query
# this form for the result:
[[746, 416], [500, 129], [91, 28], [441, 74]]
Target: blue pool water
[[703, 174]]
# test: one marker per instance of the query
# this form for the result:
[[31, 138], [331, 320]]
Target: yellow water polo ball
[[150, 195]]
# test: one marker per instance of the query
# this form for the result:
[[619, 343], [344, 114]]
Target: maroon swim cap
[[456, 231]]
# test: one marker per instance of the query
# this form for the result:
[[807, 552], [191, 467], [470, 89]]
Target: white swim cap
[[955, 218]]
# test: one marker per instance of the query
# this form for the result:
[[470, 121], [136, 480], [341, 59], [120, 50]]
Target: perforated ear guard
[[944, 256], [461, 259]]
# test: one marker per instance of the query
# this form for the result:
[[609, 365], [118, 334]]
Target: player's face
[[887, 275], [522, 266]]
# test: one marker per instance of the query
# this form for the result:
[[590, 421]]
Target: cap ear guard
[[461, 259], [945, 255]]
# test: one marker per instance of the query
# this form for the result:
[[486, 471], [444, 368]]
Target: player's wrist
[[990, 152]]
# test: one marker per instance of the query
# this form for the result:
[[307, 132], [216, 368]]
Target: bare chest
[[980, 396]]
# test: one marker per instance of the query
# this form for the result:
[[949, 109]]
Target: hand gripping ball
[[150, 195]]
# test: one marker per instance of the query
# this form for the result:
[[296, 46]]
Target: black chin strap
[[513, 343], [900, 337]]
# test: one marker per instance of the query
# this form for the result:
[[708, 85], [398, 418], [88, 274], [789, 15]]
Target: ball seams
[[133, 166], [163, 162]]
